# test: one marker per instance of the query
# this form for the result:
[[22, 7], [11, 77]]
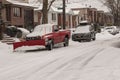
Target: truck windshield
[[43, 29]]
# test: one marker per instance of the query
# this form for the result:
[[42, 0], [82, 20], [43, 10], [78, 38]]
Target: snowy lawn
[[95, 60]]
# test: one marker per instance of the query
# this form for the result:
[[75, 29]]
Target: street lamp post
[[64, 16]]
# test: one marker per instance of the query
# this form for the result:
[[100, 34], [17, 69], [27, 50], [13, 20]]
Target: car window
[[56, 28], [83, 24]]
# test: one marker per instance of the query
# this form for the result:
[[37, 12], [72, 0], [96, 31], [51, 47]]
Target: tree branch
[[51, 2]]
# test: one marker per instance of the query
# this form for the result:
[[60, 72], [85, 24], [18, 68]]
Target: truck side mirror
[[56, 28], [60, 27]]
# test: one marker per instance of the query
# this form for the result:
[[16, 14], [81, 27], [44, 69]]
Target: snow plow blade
[[28, 43]]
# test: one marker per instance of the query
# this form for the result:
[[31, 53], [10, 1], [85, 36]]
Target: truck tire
[[66, 42], [50, 45]]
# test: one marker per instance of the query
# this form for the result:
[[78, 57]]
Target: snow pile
[[104, 36], [4, 48], [16, 40], [3, 45]]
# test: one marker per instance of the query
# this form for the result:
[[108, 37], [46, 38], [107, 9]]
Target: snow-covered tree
[[114, 7]]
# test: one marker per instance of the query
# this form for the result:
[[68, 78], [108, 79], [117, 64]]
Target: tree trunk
[[0, 32], [45, 12]]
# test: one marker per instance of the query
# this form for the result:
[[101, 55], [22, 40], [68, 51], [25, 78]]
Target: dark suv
[[84, 31]]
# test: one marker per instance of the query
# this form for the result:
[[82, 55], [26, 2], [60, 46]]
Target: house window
[[53, 16], [17, 12]]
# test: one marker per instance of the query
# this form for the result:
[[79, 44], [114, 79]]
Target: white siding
[[35, 17], [50, 18]]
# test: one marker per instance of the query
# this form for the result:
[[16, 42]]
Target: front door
[[56, 34]]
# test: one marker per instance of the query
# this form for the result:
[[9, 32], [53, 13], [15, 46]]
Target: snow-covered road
[[95, 60]]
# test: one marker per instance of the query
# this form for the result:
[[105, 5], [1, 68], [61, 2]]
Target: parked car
[[112, 30], [46, 35], [84, 31], [17, 32]]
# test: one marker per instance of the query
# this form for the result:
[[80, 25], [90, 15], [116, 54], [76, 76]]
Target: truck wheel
[[66, 42], [50, 45]]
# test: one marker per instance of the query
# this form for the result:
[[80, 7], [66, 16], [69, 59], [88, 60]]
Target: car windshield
[[43, 29], [83, 29]]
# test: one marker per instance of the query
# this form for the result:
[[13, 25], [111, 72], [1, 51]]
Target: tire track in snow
[[56, 68], [83, 61], [14, 72]]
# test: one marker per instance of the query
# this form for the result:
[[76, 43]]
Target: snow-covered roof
[[89, 4], [76, 12], [39, 8], [57, 10], [20, 3]]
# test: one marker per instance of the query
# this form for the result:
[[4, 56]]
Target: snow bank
[[104, 36], [3, 46]]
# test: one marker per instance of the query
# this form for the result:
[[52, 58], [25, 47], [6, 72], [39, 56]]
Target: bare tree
[[114, 7], [46, 7]]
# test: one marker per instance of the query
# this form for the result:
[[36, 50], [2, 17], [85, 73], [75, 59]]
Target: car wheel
[[66, 42], [50, 45], [89, 39], [79, 41], [94, 37]]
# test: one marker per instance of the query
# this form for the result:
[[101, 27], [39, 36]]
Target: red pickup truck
[[45, 35]]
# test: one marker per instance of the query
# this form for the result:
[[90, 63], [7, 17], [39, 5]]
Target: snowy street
[[95, 60]]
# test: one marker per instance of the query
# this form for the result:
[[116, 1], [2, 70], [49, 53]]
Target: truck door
[[56, 34]]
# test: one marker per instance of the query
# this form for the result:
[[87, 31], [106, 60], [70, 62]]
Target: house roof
[[59, 10], [76, 12], [89, 4], [55, 9], [39, 8], [20, 3]]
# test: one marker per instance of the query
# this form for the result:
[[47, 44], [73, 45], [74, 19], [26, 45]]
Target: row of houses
[[22, 14]]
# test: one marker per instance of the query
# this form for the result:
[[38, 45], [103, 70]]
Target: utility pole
[[64, 16], [0, 20]]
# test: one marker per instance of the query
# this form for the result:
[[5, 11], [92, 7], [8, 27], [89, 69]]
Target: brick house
[[18, 13], [89, 14]]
